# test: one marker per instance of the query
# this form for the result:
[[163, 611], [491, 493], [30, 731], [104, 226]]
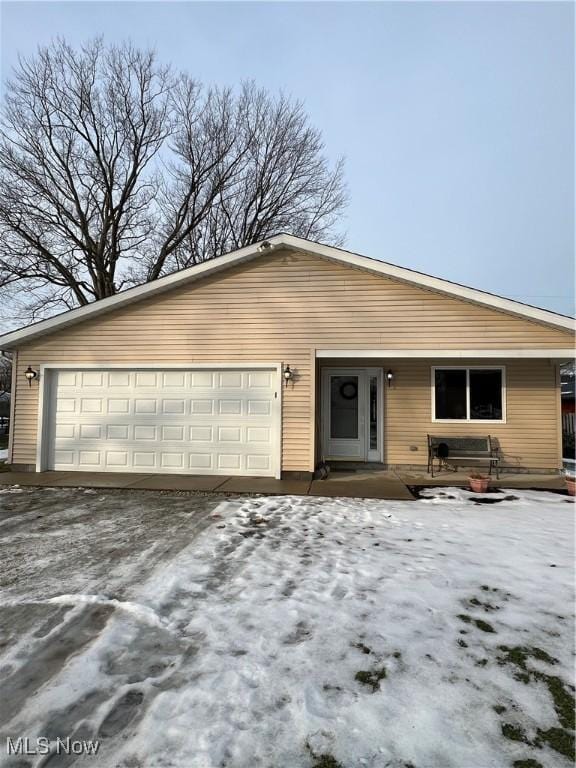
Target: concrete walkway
[[368, 485], [371, 484]]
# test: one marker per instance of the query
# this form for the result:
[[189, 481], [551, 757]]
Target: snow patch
[[139, 612], [368, 631]]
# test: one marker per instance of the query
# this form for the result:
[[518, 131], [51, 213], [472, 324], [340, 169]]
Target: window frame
[[468, 368]]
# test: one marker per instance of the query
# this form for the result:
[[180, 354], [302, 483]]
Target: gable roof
[[16, 338]]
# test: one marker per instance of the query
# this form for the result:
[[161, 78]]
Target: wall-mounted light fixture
[[288, 374], [30, 375], [389, 378]]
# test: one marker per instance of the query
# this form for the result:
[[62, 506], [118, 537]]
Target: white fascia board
[[190, 366], [455, 354], [16, 338]]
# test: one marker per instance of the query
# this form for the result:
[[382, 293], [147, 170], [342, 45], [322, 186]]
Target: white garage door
[[189, 422]]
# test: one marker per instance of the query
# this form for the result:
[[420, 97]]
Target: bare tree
[[79, 131], [116, 170], [5, 374]]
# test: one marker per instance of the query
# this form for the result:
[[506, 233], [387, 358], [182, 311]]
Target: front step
[[356, 466]]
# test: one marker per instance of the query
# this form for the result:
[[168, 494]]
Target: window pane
[[373, 413], [344, 407], [485, 394], [450, 394]]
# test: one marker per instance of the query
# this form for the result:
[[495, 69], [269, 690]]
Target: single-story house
[[269, 359]]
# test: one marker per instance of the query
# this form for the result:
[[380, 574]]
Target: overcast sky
[[456, 119]]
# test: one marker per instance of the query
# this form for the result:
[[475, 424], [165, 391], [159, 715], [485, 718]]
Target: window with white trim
[[468, 394]]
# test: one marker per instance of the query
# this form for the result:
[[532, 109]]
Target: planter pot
[[479, 484], [571, 486]]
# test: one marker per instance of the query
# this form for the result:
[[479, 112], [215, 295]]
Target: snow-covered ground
[[312, 633]]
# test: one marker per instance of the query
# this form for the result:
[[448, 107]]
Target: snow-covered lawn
[[322, 633]]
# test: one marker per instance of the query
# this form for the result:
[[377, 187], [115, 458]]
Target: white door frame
[[45, 380], [364, 376]]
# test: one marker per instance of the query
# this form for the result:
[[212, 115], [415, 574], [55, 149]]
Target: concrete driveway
[[86, 540], [62, 544], [185, 631]]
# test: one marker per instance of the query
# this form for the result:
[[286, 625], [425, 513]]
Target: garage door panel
[[118, 379], [90, 459], [65, 431], [229, 461], [91, 379], [258, 463], [259, 407], [260, 380], [202, 379], [117, 459], [205, 407], [216, 421], [67, 379], [91, 431], [201, 433], [172, 459], [143, 436], [144, 460], [171, 379], [145, 432], [146, 379], [232, 379], [171, 432], [230, 407], [117, 431], [64, 458], [201, 462], [145, 406], [175, 406], [66, 405], [259, 434], [118, 405]]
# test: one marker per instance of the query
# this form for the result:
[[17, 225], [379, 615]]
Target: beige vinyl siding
[[277, 308], [528, 439]]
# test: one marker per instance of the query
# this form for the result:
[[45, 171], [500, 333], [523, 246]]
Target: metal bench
[[455, 449]]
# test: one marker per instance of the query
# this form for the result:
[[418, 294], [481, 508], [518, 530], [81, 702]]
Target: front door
[[351, 414]]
